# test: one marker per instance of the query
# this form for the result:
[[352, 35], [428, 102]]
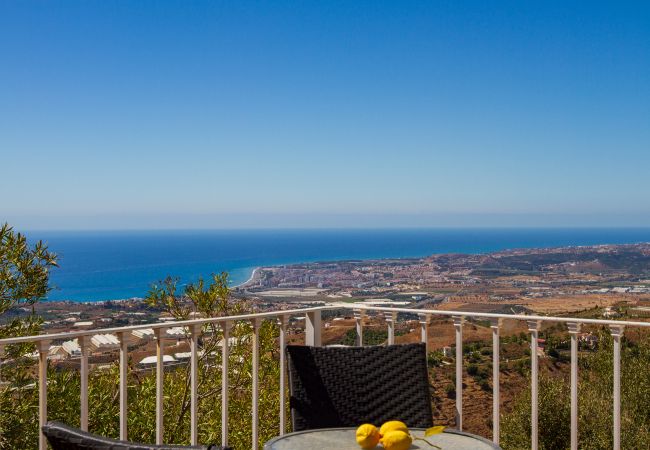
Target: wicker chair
[[63, 437], [345, 387]]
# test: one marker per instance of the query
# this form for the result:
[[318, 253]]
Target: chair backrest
[[345, 387], [63, 437]]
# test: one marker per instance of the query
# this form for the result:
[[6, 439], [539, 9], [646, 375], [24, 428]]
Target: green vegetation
[[371, 336], [24, 274], [19, 428], [595, 402], [435, 358]]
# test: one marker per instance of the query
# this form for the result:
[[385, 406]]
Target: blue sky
[[253, 114]]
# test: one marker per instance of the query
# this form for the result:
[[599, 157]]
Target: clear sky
[[138, 114]]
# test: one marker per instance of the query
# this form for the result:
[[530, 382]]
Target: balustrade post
[[256, 388], [84, 342], [359, 315], [391, 319], [225, 356], [574, 329], [617, 334], [533, 328], [283, 322], [425, 319], [458, 324], [43, 348], [496, 387], [313, 329], [195, 331], [160, 382], [124, 361]]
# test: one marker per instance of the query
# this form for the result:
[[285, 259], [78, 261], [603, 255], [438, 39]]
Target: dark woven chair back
[[348, 386], [63, 437]]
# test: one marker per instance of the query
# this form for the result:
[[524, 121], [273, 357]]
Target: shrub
[[434, 359]]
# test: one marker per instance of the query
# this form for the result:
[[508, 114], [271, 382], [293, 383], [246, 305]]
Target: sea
[[114, 265]]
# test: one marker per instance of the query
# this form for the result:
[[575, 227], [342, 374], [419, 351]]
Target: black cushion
[[63, 437], [345, 387]]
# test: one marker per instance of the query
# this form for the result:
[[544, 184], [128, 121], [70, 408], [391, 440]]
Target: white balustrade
[[313, 337]]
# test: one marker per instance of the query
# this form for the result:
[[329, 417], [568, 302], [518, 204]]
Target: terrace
[[197, 329]]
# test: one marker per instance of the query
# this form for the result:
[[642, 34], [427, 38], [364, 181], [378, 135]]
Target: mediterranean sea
[[110, 265]]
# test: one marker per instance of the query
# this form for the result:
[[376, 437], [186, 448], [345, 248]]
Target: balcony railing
[[313, 329]]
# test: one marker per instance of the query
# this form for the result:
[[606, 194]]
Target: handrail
[[169, 324], [330, 306], [524, 317]]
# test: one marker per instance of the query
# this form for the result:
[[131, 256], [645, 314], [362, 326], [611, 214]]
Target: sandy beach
[[250, 279]]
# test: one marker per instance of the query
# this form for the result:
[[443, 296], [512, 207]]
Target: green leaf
[[434, 430]]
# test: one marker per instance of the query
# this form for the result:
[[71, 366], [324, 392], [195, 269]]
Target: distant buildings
[[104, 343], [72, 348], [150, 362]]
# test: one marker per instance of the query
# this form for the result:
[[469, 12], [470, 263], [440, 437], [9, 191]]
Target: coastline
[[250, 279], [97, 276]]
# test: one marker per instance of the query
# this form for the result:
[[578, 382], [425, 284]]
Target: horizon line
[[344, 228]]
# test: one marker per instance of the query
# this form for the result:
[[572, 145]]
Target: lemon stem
[[422, 439]]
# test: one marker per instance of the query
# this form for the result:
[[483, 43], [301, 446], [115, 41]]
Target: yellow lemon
[[368, 436], [393, 425], [396, 440]]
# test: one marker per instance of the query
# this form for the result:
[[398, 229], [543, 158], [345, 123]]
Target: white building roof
[[54, 349], [172, 332], [176, 332], [144, 333], [105, 341], [72, 347], [188, 355], [153, 359], [383, 301]]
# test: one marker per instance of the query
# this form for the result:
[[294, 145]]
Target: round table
[[344, 439]]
